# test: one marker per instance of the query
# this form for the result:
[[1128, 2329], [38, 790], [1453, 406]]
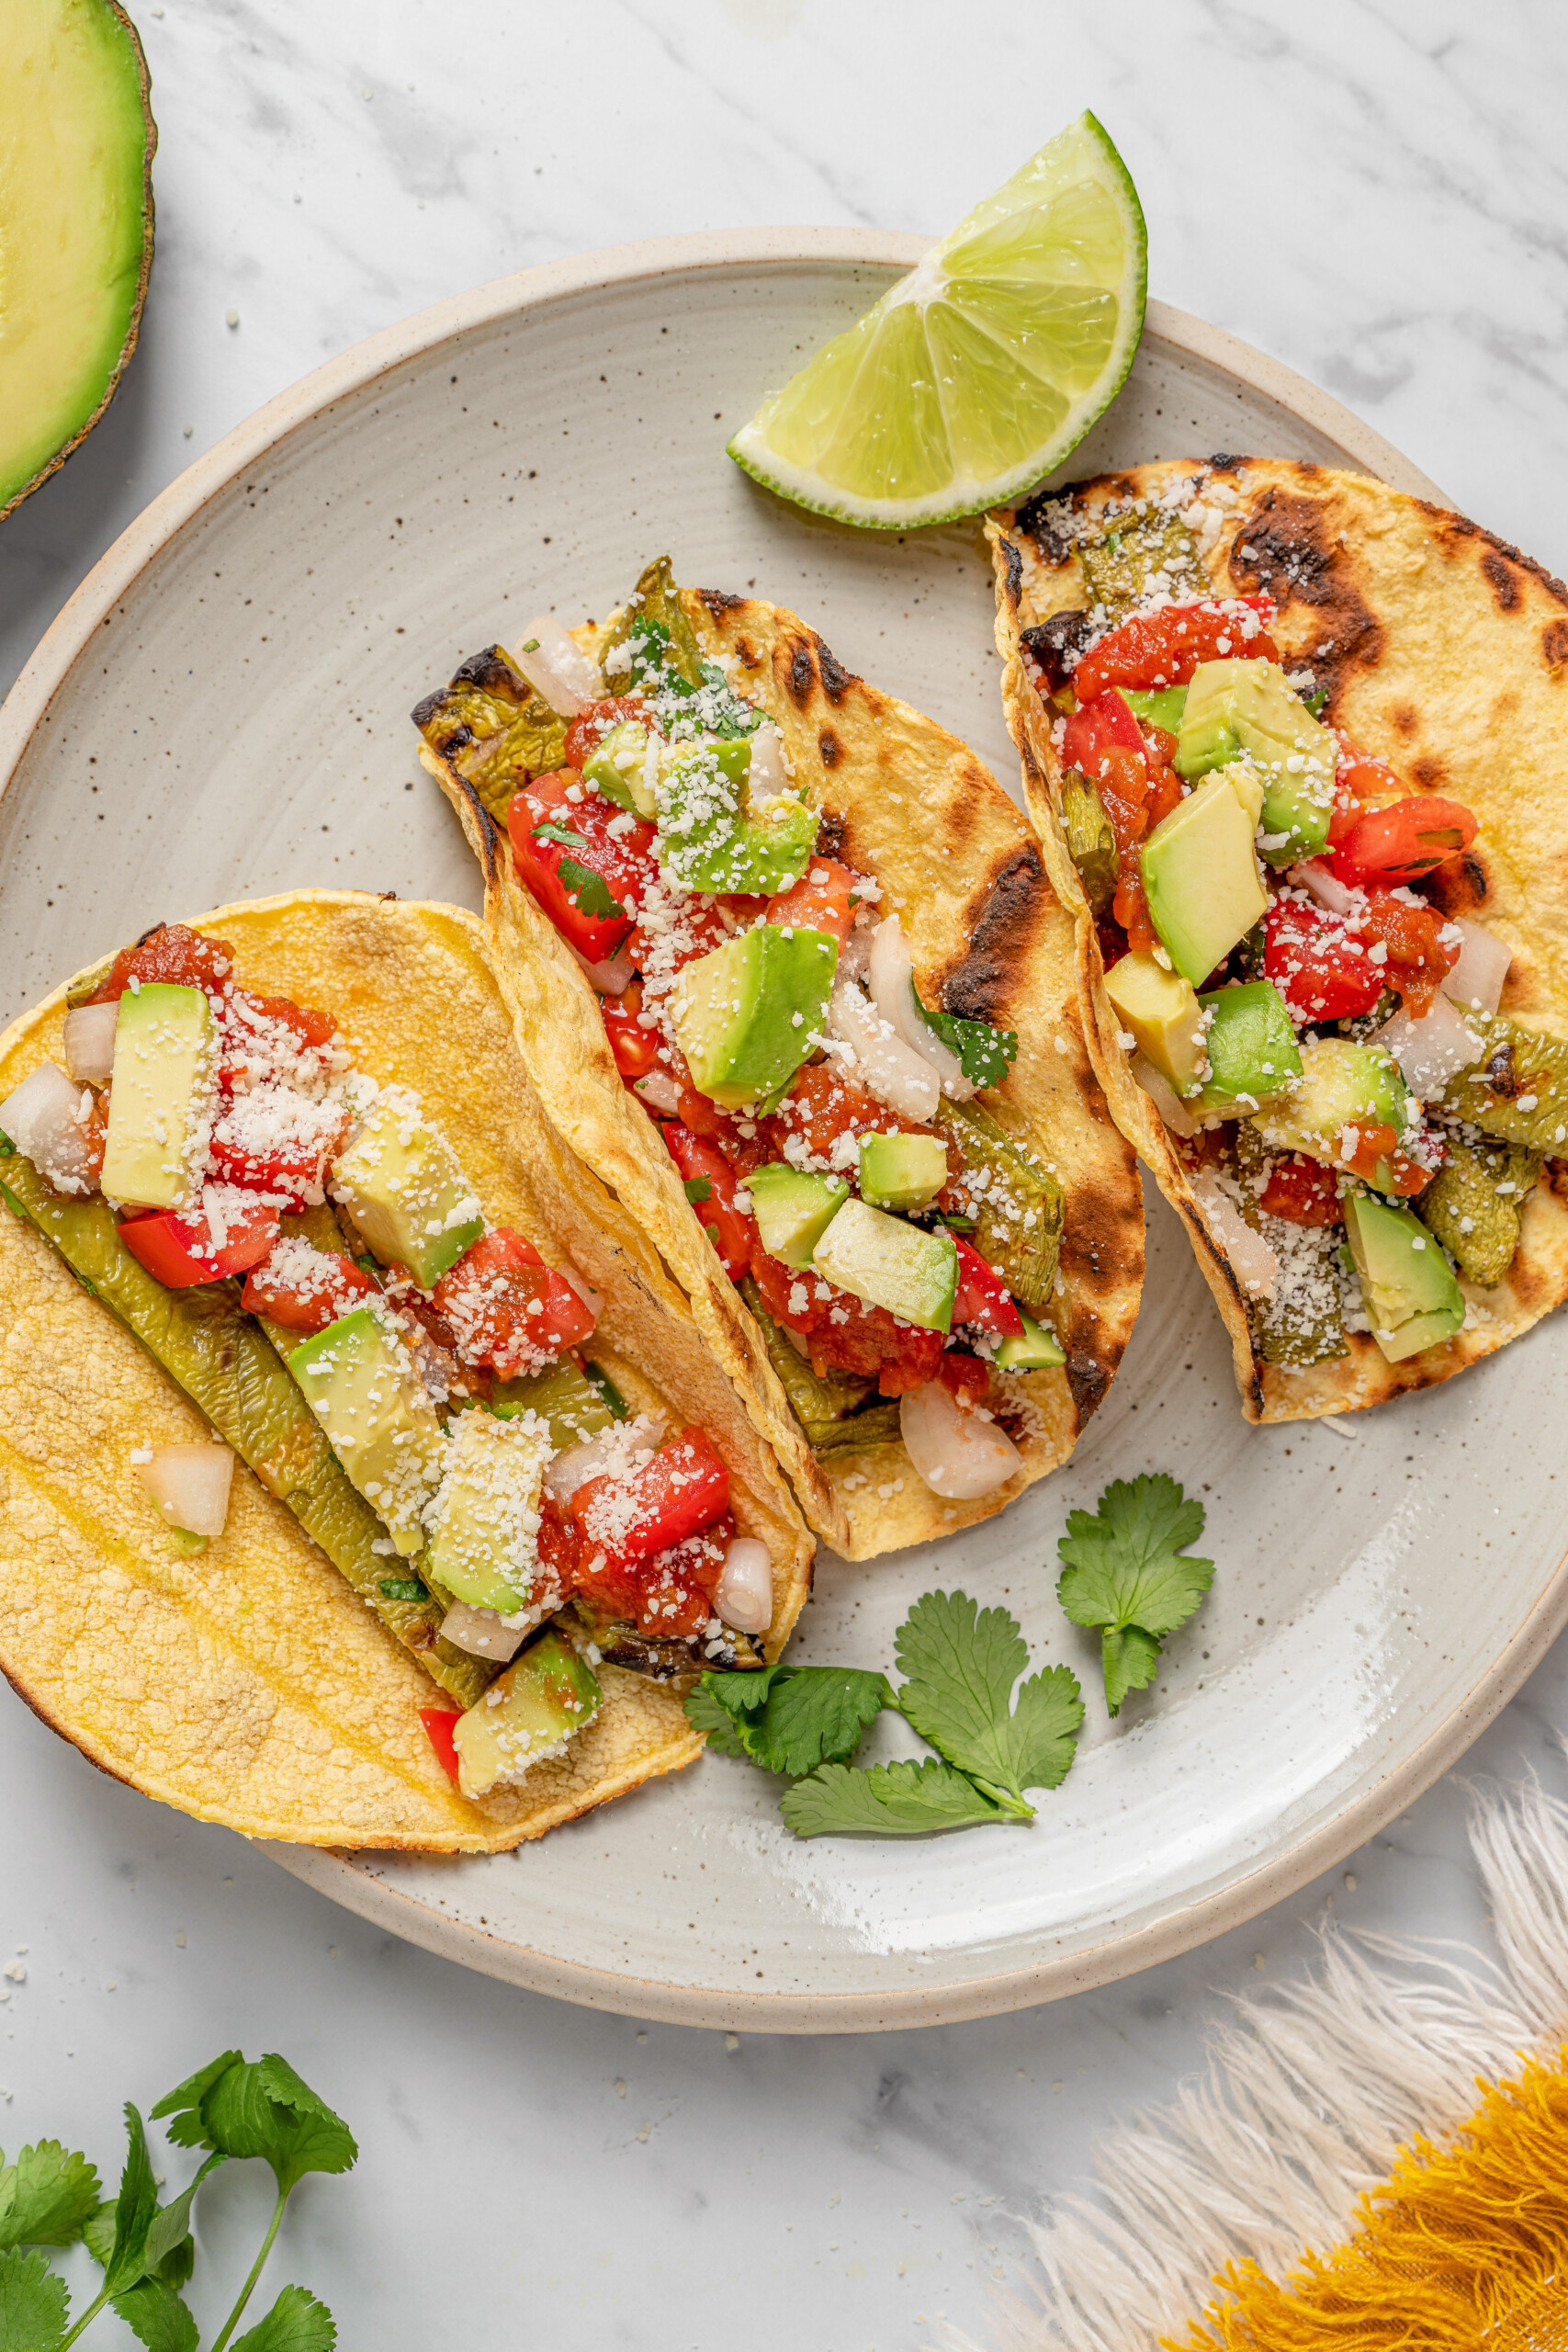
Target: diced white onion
[[660, 1092], [1252, 1260], [1317, 876], [89, 1042], [1476, 980], [744, 1597], [190, 1485], [556, 666], [957, 1454], [482, 1631], [1432, 1050], [902, 1079], [892, 975], [44, 1118], [767, 777], [611, 978], [1164, 1096], [573, 1468]]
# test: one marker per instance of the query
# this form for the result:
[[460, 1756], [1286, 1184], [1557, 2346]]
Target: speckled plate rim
[[336, 1874]]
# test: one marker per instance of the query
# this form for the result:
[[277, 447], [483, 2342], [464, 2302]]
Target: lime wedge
[[980, 371]]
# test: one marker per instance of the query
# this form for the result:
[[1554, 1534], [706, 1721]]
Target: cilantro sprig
[[1126, 1571], [49, 2197], [985, 1054], [589, 891]]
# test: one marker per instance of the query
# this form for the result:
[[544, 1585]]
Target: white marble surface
[[1378, 200]]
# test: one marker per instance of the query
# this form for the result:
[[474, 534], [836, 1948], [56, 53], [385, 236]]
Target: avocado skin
[[219, 1355]]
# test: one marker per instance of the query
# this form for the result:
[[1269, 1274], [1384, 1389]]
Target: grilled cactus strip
[[824, 1405], [1307, 1324], [875, 1424], [1091, 844], [656, 599], [1135, 556], [219, 1355], [1016, 1203], [1478, 1224], [491, 725], [663, 1658], [1518, 1089], [575, 1406]]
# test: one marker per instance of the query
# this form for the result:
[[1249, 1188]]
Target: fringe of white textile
[[1307, 2096]]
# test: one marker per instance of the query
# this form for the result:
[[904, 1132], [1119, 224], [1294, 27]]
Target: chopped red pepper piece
[[1302, 1191], [1163, 649], [1409, 839], [982, 1297], [621, 1520], [180, 1251], [439, 1724]]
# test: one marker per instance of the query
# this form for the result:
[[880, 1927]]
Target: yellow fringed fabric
[[1463, 2249]]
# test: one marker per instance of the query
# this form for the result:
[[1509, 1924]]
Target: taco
[[366, 1481], [796, 987], [1288, 736]]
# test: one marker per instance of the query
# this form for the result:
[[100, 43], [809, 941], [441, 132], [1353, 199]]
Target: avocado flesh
[[912, 1273], [617, 768], [1156, 706], [715, 834], [215, 1351], [902, 1171], [1161, 1010], [1253, 1054], [746, 1015], [1411, 1296], [1091, 843], [1342, 1084], [794, 1209], [544, 1699], [485, 1548], [403, 1185], [162, 1085], [1475, 1222], [76, 139], [359, 1380], [1015, 1201], [1201, 877], [1037, 1351], [1249, 708]]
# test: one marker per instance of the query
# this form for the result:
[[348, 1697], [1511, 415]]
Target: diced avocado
[[572, 1403], [618, 768], [1253, 1054], [1158, 705], [1411, 1296], [1248, 787], [162, 1093], [1250, 706], [1091, 843], [544, 1699], [912, 1273], [715, 833], [1036, 1352], [403, 1185], [1475, 1203], [902, 1171], [1151, 553], [359, 1381], [1162, 1012], [748, 1014], [1342, 1084], [486, 1547], [794, 1209], [1201, 878]]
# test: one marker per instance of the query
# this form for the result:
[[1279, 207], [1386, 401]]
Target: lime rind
[[979, 372]]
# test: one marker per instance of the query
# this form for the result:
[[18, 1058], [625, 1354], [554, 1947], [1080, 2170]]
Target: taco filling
[[1359, 1125], [299, 1246], [895, 1245]]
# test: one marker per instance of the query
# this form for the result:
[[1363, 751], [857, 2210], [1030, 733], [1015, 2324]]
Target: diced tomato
[[557, 1545], [1320, 968], [1106, 722], [589, 728], [635, 1049], [180, 1251], [610, 869], [819, 901], [273, 1140], [842, 1333], [967, 1379], [822, 1105], [182, 958], [308, 1294], [1364, 778], [1163, 649], [439, 1724], [1105, 742], [621, 1520], [701, 1164], [1419, 958], [982, 1297], [507, 1308], [673, 1592], [1302, 1191], [703, 928], [1409, 839], [248, 1049], [1378, 1147]]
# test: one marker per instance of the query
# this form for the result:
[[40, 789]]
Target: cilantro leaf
[[903, 1800], [801, 1717], [297, 2323], [98, 2233], [698, 1188], [985, 1054], [134, 2210], [588, 892], [46, 2197], [259, 2110], [562, 835], [1126, 1571], [962, 1663], [157, 2317], [33, 2303]]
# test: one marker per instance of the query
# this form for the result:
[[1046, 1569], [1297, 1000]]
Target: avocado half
[[77, 144]]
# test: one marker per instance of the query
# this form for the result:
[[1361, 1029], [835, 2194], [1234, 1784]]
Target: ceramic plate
[[221, 710]]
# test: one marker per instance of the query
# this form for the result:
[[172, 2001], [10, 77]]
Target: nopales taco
[[1292, 742], [795, 986], [366, 1481]]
